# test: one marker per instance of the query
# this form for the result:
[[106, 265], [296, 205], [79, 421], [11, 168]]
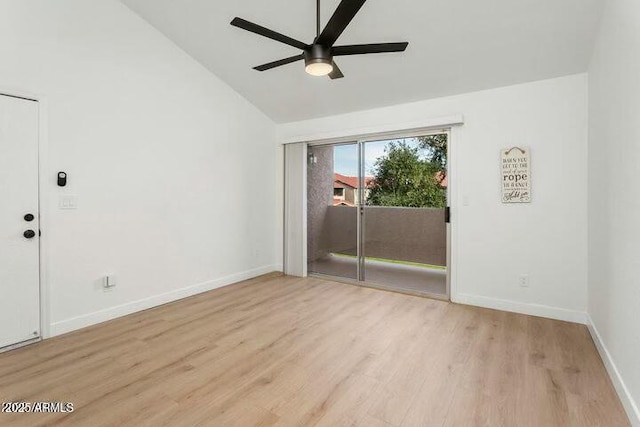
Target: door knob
[[29, 217], [29, 234]]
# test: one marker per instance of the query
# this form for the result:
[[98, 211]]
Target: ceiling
[[455, 46]]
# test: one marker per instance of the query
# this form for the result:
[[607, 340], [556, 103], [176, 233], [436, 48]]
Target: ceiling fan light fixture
[[318, 67], [318, 60]]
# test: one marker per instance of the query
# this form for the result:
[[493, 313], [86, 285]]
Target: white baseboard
[[629, 404], [522, 308], [89, 319]]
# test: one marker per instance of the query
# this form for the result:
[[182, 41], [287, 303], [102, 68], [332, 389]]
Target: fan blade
[[362, 49], [343, 15], [274, 64], [265, 32], [336, 73]]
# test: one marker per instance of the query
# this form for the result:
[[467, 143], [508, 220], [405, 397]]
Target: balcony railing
[[415, 235]]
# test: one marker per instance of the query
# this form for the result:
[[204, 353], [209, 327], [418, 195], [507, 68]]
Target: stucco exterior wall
[[319, 198], [403, 234]]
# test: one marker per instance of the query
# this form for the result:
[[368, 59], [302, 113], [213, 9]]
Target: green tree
[[435, 147], [402, 177]]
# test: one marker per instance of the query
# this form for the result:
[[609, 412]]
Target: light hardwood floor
[[285, 351]]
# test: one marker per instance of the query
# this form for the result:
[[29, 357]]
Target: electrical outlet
[[523, 281], [109, 282]]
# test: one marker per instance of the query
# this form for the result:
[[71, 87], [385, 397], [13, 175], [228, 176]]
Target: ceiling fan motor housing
[[317, 54]]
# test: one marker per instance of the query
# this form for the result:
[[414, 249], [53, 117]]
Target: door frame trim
[[43, 202]]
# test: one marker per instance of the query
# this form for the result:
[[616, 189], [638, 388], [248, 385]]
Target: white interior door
[[19, 221]]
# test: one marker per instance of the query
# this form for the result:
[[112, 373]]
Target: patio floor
[[401, 277]]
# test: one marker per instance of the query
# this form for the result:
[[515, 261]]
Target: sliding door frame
[[360, 142]]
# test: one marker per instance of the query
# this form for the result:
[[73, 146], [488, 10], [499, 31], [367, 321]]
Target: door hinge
[[447, 214]]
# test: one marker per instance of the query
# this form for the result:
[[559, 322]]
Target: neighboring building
[[442, 178], [345, 189]]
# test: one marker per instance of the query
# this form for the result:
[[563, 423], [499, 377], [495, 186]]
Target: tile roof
[[351, 181]]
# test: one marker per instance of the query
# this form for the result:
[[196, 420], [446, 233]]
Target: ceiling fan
[[318, 56]]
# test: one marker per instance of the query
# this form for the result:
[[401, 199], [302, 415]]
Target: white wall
[[495, 243], [614, 197], [174, 171]]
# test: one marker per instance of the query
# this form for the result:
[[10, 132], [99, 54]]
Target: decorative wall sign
[[516, 175]]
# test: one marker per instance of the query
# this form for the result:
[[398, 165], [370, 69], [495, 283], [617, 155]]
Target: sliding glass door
[[332, 214], [376, 213], [404, 234]]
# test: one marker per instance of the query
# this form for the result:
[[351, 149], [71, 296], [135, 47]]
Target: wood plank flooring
[[284, 351]]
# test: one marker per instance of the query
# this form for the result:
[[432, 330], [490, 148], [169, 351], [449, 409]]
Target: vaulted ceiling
[[455, 46]]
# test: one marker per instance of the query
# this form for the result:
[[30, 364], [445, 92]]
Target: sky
[[345, 157]]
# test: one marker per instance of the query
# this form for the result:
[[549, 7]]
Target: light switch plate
[[67, 201]]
